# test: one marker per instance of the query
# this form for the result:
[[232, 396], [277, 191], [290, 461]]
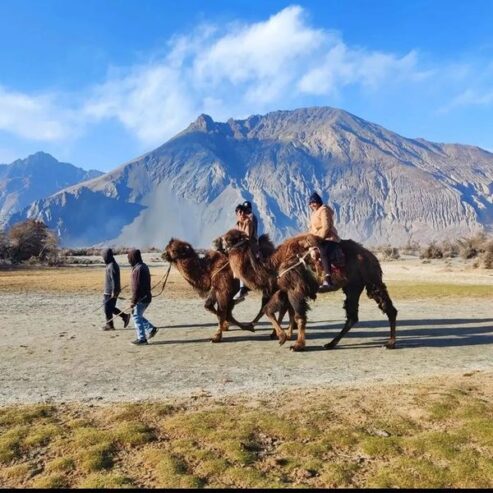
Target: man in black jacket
[[112, 288], [141, 297]]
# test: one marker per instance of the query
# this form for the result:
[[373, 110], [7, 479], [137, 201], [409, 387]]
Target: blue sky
[[99, 82]]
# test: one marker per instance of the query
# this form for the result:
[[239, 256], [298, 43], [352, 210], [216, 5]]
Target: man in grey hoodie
[[141, 297], [112, 288]]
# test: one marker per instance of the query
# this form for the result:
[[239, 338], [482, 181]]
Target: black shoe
[[240, 295], [109, 326], [152, 333], [126, 319], [327, 286], [139, 342]]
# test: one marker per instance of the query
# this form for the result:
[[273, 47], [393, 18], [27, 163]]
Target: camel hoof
[[273, 335], [282, 339], [216, 338], [250, 327], [297, 347], [390, 345], [330, 345]]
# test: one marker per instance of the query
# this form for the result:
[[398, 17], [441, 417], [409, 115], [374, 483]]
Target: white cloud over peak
[[225, 70]]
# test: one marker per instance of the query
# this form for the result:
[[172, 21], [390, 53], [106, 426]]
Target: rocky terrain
[[384, 188]]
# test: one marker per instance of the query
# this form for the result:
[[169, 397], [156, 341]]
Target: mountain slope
[[382, 186], [33, 178]]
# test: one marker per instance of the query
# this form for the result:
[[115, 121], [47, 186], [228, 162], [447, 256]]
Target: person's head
[[315, 201], [108, 256], [134, 257], [239, 210], [247, 206]]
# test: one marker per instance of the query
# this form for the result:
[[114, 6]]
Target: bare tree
[[31, 238]]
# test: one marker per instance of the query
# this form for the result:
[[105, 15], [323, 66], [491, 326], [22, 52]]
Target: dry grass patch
[[433, 434]]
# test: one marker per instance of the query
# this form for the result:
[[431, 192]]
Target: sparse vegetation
[[387, 252], [479, 246], [440, 435], [31, 241]]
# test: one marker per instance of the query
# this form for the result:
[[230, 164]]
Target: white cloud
[[240, 69], [33, 117], [232, 70]]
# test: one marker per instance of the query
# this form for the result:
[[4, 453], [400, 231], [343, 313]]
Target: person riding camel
[[322, 225], [247, 225]]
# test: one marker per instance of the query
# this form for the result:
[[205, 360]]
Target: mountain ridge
[[384, 188], [35, 177]]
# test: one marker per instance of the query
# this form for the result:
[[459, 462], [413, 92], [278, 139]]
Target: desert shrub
[[388, 252], [432, 251], [450, 249], [30, 239], [4, 246], [487, 256], [411, 248]]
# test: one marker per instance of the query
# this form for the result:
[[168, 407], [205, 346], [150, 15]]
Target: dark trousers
[[327, 249], [110, 308]]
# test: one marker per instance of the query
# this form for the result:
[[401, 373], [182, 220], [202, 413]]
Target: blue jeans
[[141, 324]]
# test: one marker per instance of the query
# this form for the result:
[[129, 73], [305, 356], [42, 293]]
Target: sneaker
[[240, 295], [126, 319], [139, 342], [152, 333], [326, 286]]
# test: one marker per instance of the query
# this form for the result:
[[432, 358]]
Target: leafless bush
[[411, 248], [487, 256], [432, 251], [387, 252], [32, 240], [473, 246]]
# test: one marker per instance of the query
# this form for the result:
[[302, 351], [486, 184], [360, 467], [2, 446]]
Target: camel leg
[[210, 301], [265, 300], [282, 312], [299, 307], [271, 308], [222, 316], [243, 326], [382, 298], [352, 292]]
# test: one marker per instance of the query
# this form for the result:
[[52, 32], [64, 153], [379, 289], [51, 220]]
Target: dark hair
[[247, 205], [315, 199], [239, 207]]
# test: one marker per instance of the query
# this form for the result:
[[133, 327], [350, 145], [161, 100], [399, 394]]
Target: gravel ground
[[52, 349]]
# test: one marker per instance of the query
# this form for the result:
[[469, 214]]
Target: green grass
[[422, 290], [437, 435]]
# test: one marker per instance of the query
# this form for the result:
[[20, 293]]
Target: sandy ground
[[52, 347]]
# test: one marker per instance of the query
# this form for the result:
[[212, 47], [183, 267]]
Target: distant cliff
[[384, 188]]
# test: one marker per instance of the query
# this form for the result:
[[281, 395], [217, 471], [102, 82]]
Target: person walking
[[112, 288], [141, 297], [322, 225]]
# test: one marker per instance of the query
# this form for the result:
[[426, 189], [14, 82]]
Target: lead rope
[[301, 261]]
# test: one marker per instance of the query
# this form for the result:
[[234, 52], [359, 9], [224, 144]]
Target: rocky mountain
[[35, 177], [384, 188]]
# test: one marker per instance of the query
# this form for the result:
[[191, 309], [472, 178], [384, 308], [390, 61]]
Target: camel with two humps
[[362, 271], [211, 277]]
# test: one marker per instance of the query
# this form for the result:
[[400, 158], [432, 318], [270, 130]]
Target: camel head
[[234, 238], [177, 250]]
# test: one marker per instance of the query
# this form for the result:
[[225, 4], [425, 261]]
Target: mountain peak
[[203, 122]]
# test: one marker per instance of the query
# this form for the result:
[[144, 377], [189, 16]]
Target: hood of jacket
[[134, 257], [108, 256]]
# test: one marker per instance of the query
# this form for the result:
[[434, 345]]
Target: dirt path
[[52, 349]]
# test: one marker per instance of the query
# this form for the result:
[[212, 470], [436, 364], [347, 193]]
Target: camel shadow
[[411, 333]]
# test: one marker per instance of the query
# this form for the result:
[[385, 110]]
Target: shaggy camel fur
[[211, 278], [288, 292], [362, 271]]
